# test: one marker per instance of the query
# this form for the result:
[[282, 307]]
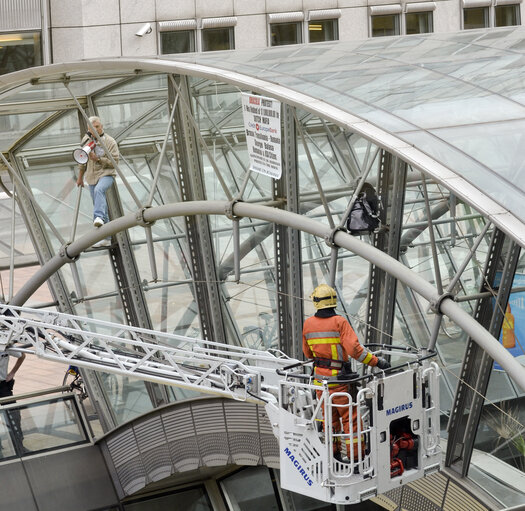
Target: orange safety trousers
[[342, 414]]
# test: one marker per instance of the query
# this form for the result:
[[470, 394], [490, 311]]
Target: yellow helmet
[[324, 297]]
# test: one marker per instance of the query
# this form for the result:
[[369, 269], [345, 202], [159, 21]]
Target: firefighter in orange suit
[[329, 340]]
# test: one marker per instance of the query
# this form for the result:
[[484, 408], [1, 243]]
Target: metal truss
[[158, 357]]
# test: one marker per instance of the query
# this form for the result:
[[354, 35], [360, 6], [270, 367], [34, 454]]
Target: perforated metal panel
[[436, 492], [20, 15], [186, 436]]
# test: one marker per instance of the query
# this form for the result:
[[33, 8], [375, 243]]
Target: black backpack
[[364, 216]]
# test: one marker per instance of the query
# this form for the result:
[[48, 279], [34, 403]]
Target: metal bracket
[[62, 252], [435, 305], [329, 239], [139, 217], [228, 210]]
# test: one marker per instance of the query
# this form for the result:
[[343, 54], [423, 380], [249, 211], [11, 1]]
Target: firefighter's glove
[[383, 363]]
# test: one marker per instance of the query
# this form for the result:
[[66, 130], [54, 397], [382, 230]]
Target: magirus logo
[[398, 409], [297, 465]]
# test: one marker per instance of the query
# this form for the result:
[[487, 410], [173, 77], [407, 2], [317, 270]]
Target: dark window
[[476, 17], [214, 39], [195, 499], [385, 24], [19, 51], [285, 33], [323, 30], [180, 41], [419, 22], [506, 15]]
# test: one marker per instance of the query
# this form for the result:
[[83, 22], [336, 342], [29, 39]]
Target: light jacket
[[333, 338], [94, 170]]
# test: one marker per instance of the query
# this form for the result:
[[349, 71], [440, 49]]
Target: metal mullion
[[12, 251], [152, 112], [288, 266], [484, 369], [314, 172], [173, 107], [199, 235], [468, 375], [394, 244], [185, 102], [379, 240], [347, 164], [30, 197], [131, 291]]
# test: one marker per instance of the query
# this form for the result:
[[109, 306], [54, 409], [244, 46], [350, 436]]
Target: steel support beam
[[477, 364], [288, 267], [190, 178], [382, 289]]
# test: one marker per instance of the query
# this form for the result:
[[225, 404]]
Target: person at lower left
[[7, 381]]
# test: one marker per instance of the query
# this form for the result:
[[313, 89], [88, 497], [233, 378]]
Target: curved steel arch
[[499, 216], [344, 240]]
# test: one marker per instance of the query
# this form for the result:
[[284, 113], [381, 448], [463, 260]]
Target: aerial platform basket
[[396, 419]]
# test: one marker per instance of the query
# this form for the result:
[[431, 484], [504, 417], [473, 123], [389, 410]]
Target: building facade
[[35, 32]]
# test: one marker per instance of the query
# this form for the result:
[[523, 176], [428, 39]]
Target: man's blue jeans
[[98, 194]]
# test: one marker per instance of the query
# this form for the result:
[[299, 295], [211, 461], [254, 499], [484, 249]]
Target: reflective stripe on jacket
[[333, 338]]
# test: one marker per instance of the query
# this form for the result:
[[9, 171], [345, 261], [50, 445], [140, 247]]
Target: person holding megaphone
[[97, 170]]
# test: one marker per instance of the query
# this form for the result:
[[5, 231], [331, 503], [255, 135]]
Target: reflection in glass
[[506, 15], [419, 22], [285, 33], [323, 30], [251, 489], [214, 39], [7, 448], [50, 424], [476, 17], [128, 397], [19, 51], [180, 41], [385, 25], [194, 499]]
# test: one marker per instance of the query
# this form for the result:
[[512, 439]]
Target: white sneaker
[[102, 243], [98, 222]]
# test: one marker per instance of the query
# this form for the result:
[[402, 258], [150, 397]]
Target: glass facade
[[37, 427], [177, 275], [475, 17], [214, 39], [285, 33], [323, 30], [179, 41], [19, 51], [419, 22], [507, 15], [385, 25]]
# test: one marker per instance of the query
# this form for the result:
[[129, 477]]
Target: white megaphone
[[81, 155]]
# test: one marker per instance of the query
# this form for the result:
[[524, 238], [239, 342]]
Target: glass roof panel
[[438, 82]]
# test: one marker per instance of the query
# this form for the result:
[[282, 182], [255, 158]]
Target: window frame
[[298, 32], [193, 40], [397, 23], [207, 30], [429, 13], [335, 28]]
